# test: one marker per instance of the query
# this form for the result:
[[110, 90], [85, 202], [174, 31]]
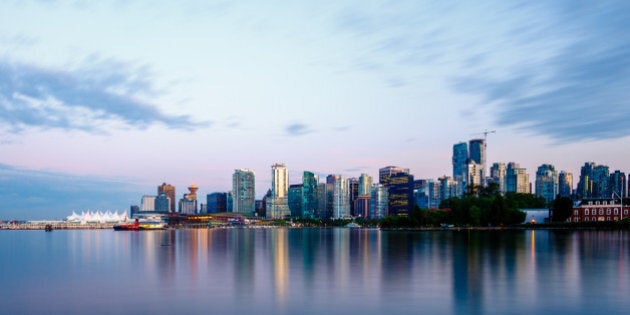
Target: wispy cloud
[[297, 129], [87, 99], [576, 93]]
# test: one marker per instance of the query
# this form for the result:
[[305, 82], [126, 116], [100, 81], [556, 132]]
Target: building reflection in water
[[280, 265], [242, 246]]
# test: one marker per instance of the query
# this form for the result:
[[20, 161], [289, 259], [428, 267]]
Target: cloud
[[34, 195], [579, 91], [89, 99], [298, 129]]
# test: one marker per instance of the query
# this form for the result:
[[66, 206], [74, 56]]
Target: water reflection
[[314, 271]]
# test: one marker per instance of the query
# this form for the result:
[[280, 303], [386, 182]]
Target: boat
[[48, 228], [152, 226], [128, 227]]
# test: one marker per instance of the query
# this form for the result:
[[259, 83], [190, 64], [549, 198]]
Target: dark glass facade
[[309, 195], [217, 202], [162, 203], [295, 200]]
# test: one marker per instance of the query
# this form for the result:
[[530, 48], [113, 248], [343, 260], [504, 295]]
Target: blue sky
[[138, 93]]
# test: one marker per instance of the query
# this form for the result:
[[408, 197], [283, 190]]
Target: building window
[[585, 219], [575, 212], [605, 202], [601, 211], [616, 211], [608, 211], [586, 212], [607, 218], [590, 203]]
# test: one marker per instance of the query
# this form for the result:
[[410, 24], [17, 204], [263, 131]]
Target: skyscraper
[[353, 190], [309, 195], [474, 176], [188, 204], [243, 191], [148, 203], [365, 185], [594, 181], [162, 203], [216, 202], [378, 202], [498, 173], [448, 188], [565, 184], [517, 179], [295, 200], [338, 195], [547, 182], [478, 155], [460, 159], [618, 184], [169, 191], [278, 205], [399, 186]]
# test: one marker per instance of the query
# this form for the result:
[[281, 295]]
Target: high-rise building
[[547, 182], [278, 205], [618, 184], [353, 190], [378, 202], [365, 185], [216, 202], [295, 200], [322, 202], [594, 181], [448, 188], [309, 195], [460, 159], [477, 154], [565, 184], [362, 206], [517, 179], [147, 203], [498, 173], [338, 193], [399, 184], [188, 204], [169, 191], [243, 191], [474, 176], [162, 203]]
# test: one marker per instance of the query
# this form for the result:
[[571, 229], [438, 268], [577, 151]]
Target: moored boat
[[127, 227]]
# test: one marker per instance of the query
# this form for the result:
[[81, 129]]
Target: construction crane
[[485, 134]]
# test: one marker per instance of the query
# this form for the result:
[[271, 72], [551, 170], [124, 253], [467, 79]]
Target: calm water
[[314, 271]]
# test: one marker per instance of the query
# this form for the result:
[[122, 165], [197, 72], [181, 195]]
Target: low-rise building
[[590, 210]]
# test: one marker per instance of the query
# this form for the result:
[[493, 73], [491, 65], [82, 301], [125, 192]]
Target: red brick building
[[590, 210]]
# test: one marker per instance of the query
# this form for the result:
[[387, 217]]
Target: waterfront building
[[216, 202], [498, 175], [278, 205], [322, 202], [260, 208], [517, 179], [147, 203], [230, 201], [565, 184], [169, 191], [309, 195], [460, 161], [399, 184], [188, 204], [365, 185], [338, 195], [162, 203], [598, 210], [353, 188], [362, 206], [547, 182], [295, 200], [378, 201], [243, 191], [477, 154], [618, 184]]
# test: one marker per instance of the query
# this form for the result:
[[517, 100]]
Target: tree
[[561, 208]]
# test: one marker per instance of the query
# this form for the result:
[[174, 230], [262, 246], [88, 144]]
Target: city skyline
[[99, 102]]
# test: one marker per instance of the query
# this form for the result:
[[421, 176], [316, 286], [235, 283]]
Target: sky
[[100, 102]]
